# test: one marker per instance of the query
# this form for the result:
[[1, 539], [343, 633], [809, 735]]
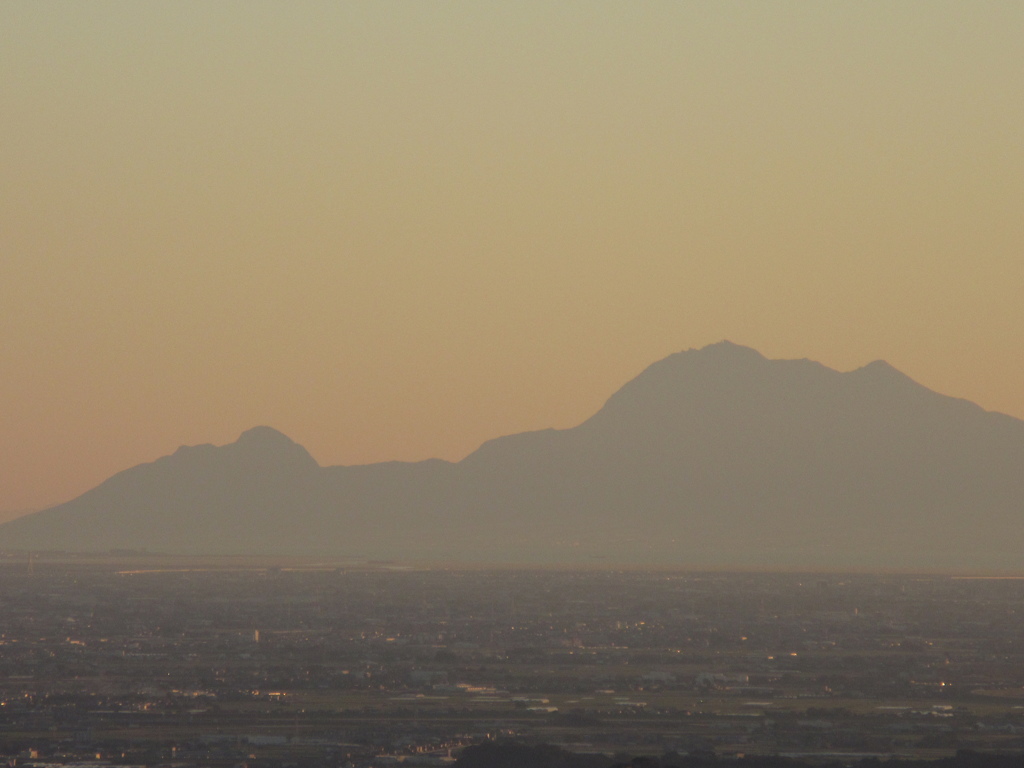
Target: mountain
[[716, 457]]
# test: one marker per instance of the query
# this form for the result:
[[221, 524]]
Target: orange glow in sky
[[395, 230]]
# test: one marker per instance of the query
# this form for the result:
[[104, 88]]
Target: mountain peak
[[878, 365], [880, 370], [728, 349], [266, 443], [720, 355], [714, 356], [264, 436]]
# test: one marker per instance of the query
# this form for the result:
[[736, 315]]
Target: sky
[[395, 230]]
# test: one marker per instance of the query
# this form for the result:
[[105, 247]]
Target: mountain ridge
[[709, 457]]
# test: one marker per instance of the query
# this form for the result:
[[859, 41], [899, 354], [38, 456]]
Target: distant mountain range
[[716, 457]]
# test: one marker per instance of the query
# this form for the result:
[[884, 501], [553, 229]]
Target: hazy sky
[[395, 230]]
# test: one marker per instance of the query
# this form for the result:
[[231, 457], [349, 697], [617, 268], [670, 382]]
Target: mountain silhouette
[[716, 457]]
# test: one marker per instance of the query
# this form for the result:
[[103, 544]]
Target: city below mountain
[[710, 458]]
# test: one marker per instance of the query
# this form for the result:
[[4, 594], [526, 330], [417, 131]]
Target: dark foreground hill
[[711, 457]]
